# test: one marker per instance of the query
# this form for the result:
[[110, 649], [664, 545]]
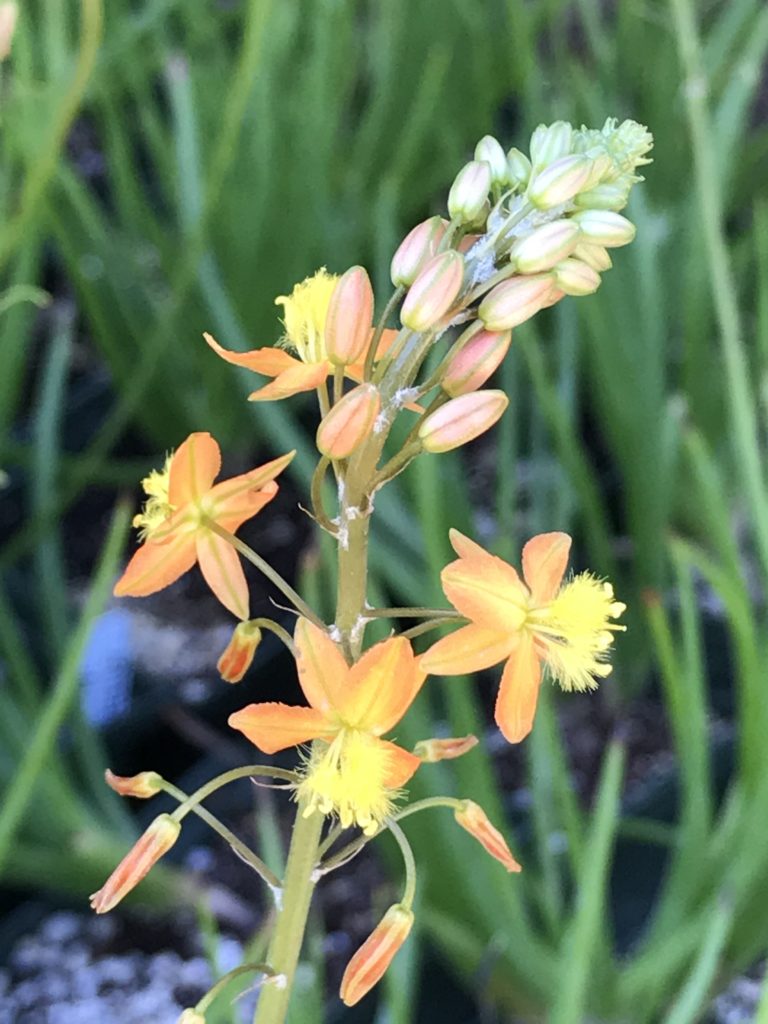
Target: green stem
[[280, 631], [424, 627], [370, 356], [410, 613], [222, 983], [409, 892]]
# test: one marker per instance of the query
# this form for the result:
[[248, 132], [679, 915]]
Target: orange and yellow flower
[[527, 623], [351, 772], [182, 502]]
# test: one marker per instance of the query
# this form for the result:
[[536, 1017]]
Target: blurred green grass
[[173, 166]]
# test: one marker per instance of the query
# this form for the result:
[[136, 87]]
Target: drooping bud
[[471, 365], [434, 291], [9, 13], [518, 168], [368, 965], [146, 852], [434, 750], [489, 149], [349, 422], [143, 786], [514, 301], [462, 420], [414, 252], [474, 819], [544, 246], [559, 181], [469, 192], [550, 142], [604, 227], [238, 654], [348, 322], [608, 196], [595, 256], [576, 278], [191, 1016]]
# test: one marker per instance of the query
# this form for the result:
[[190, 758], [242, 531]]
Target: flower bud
[[469, 192], [555, 294], [544, 246], [595, 256], [431, 751], [416, 249], [238, 654], [576, 278], [489, 149], [608, 196], [349, 317], [514, 301], [550, 142], [470, 366], [349, 422], [191, 1016], [518, 168], [462, 420], [146, 852], [604, 227], [9, 13], [142, 786], [474, 819], [367, 966], [559, 181], [433, 292]]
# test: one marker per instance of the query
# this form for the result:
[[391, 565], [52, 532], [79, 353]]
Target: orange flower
[[567, 627], [181, 500], [156, 841], [351, 772], [369, 964]]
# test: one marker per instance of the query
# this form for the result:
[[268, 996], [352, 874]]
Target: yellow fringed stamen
[[305, 311], [157, 508]]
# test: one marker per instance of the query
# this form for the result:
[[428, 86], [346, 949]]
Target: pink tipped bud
[[544, 246], [489, 150], [595, 256], [474, 819], [549, 142], [417, 248], [472, 364], [190, 1016], [462, 420], [348, 321], [576, 278], [9, 13], [518, 168], [239, 652], [349, 422], [144, 785], [368, 965], [604, 227], [147, 851], [560, 181], [469, 192], [434, 291], [608, 196], [514, 301], [553, 298], [431, 751]]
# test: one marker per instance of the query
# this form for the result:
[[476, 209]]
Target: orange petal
[[220, 565], [401, 765], [242, 507], [194, 467], [268, 361], [155, 566], [323, 672], [300, 377], [467, 548], [382, 686], [469, 649], [487, 591], [518, 692], [272, 727], [545, 559]]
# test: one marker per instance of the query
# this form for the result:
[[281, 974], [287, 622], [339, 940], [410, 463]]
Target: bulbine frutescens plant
[[523, 232]]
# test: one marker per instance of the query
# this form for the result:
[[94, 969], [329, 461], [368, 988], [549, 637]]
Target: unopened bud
[[143, 786], [555, 294], [514, 301], [434, 291], [469, 192], [595, 256], [576, 278], [348, 321], [434, 750], [544, 246], [190, 1016], [474, 819], [462, 420], [238, 654], [489, 149], [350, 422], [368, 965], [416, 249], [608, 196], [471, 365], [518, 168], [146, 852], [550, 142], [9, 13], [604, 227], [559, 181]]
